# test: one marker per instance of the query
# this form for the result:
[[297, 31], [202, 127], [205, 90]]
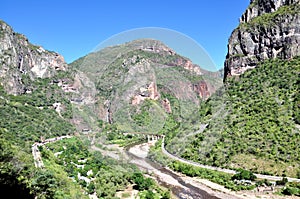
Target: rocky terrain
[[120, 93], [268, 29], [41, 98], [18, 57], [127, 75]]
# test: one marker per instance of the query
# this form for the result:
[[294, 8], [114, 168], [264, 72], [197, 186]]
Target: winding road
[[38, 162], [260, 176]]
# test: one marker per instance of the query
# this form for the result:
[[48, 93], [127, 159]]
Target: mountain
[[137, 87], [18, 57], [143, 86], [125, 76], [268, 29], [38, 106], [253, 123], [33, 108]]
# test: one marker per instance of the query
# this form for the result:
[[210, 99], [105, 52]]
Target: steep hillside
[[18, 57], [37, 107], [254, 122], [268, 29], [34, 106], [259, 129], [135, 81]]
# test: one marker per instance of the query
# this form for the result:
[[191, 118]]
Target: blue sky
[[75, 28]]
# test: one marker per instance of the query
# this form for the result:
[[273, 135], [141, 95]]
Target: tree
[[141, 182], [244, 175], [282, 182]]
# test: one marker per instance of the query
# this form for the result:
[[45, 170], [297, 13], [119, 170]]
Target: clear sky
[[74, 28]]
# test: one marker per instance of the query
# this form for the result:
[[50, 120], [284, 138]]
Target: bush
[[141, 183], [290, 191], [282, 182], [244, 175]]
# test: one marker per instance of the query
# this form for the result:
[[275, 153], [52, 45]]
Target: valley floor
[[212, 188]]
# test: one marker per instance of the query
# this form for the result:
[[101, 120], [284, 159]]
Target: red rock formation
[[146, 93], [188, 65], [137, 100], [201, 89]]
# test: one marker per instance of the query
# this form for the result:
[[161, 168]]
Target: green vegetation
[[243, 175], [116, 136], [34, 48], [120, 72], [146, 187], [102, 175], [268, 20], [142, 116], [259, 131], [26, 119], [214, 176], [156, 155], [221, 178], [234, 182], [237, 56], [291, 189], [75, 159], [254, 3], [30, 117]]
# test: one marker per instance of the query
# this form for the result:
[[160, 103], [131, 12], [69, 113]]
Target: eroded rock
[[268, 29]]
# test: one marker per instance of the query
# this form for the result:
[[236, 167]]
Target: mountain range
[[245, 117]]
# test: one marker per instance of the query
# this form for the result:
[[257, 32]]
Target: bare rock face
[[201, 88], [188, 65], [147, 92], [128, 74], [260, 7], [268, 29], [19, 57]]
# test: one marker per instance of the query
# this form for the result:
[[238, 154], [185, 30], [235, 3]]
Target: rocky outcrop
[[268, 29], [128, 74], [201, 88], [147, 92], [18, 57], [188, 65], [154, 46], [260, 7]]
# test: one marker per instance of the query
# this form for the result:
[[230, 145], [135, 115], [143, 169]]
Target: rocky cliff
[[268, 29], [127, 75], [18, 57]]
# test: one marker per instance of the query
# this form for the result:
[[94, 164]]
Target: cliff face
[[131, 73], [19, 57], [260, 7], [268, 29]]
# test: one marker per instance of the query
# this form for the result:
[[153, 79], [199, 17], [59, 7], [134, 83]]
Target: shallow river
[[178, 185]]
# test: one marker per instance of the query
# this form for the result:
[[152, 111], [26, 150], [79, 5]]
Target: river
[[181, 186]]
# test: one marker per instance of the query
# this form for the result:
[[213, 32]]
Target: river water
[[178, 186]]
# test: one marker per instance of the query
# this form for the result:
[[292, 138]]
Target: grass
[[260, 165]]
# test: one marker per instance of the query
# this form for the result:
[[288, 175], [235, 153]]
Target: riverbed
[[182, 187]]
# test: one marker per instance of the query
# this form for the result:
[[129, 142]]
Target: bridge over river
[[150, 137]]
